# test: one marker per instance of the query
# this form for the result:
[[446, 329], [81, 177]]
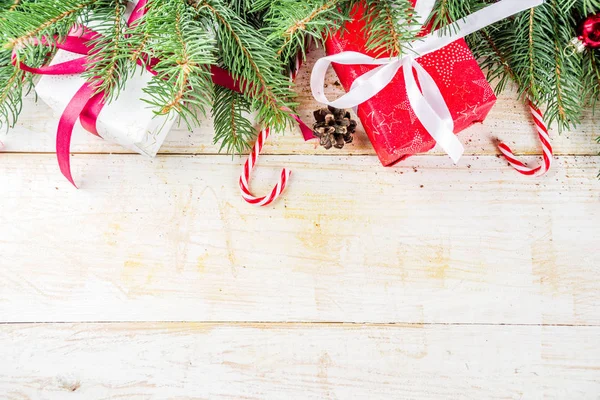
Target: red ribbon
[[87, 103]]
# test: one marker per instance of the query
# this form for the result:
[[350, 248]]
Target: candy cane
[[546, 146], [253, 157], [297, 65], [249, 166]]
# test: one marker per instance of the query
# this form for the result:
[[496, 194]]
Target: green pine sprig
[[233, 130], [290, 23], [107, 64], [9, 5], [171, 34], [391, 26], [11, 92], [256, 66]]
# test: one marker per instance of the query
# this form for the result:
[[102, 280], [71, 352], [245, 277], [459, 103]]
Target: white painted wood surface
[[423, 281], [170, 239], [290, 361]]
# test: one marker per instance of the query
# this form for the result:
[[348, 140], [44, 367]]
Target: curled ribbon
[[424, 96]]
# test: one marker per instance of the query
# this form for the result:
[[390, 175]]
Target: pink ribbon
[[87, 104]]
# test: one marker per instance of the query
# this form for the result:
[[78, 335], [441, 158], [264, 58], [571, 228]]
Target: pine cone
[[334, 127]]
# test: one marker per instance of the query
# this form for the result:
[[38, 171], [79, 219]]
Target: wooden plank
[[171, 239], [204, 361], [509, 121]]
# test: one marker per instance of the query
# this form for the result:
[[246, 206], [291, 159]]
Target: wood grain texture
[[509, 121], [203, 361], [171, 239]]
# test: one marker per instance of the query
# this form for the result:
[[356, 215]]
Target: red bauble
[[589, 32]]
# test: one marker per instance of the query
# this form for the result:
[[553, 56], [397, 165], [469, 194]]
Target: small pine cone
[[324, 133], [337, 112], [348, 138], [339, 141], [320, 115], [325, 141], [334, 127]]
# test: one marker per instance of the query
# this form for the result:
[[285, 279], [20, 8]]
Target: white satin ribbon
[[423, 9], [428, 103]]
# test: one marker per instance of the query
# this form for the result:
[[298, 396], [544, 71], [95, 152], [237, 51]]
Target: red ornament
[[589, 32]]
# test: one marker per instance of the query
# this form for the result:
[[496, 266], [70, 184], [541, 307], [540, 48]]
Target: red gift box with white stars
[[388, 119]]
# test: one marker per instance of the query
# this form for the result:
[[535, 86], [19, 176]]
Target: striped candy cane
[[546, 146], [249, 166], [296, 68], [253, 157]]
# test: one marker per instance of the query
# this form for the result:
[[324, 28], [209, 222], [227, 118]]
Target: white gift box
[[127, 120]]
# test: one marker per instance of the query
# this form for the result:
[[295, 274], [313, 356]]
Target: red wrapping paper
[[388, 119]]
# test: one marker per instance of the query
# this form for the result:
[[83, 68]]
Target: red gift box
[[388, 118]]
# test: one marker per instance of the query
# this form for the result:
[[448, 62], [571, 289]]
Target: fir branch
[[35, 20], [255, 65], [493, 61], [528, 46], [185, 69], [10, 95], [182, 84], [558, 68], [530, 53], [107, 64], [301, 24], [14, 5], [587, 7], [247, 11], [233, 130], [298, 29], [443, 14], [591, 78], [241, 7], [9, 5], [395, 47], [448, 11], [223, 21], [290, 23], [23, 28], [569, 102], [391, 26], [140, 49]]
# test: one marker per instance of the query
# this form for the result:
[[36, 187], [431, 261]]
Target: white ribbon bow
[[427, 103]]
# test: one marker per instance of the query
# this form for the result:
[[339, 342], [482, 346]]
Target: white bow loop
[[430, 108]]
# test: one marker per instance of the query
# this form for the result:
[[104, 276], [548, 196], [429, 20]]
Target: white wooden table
[[423, 281]]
